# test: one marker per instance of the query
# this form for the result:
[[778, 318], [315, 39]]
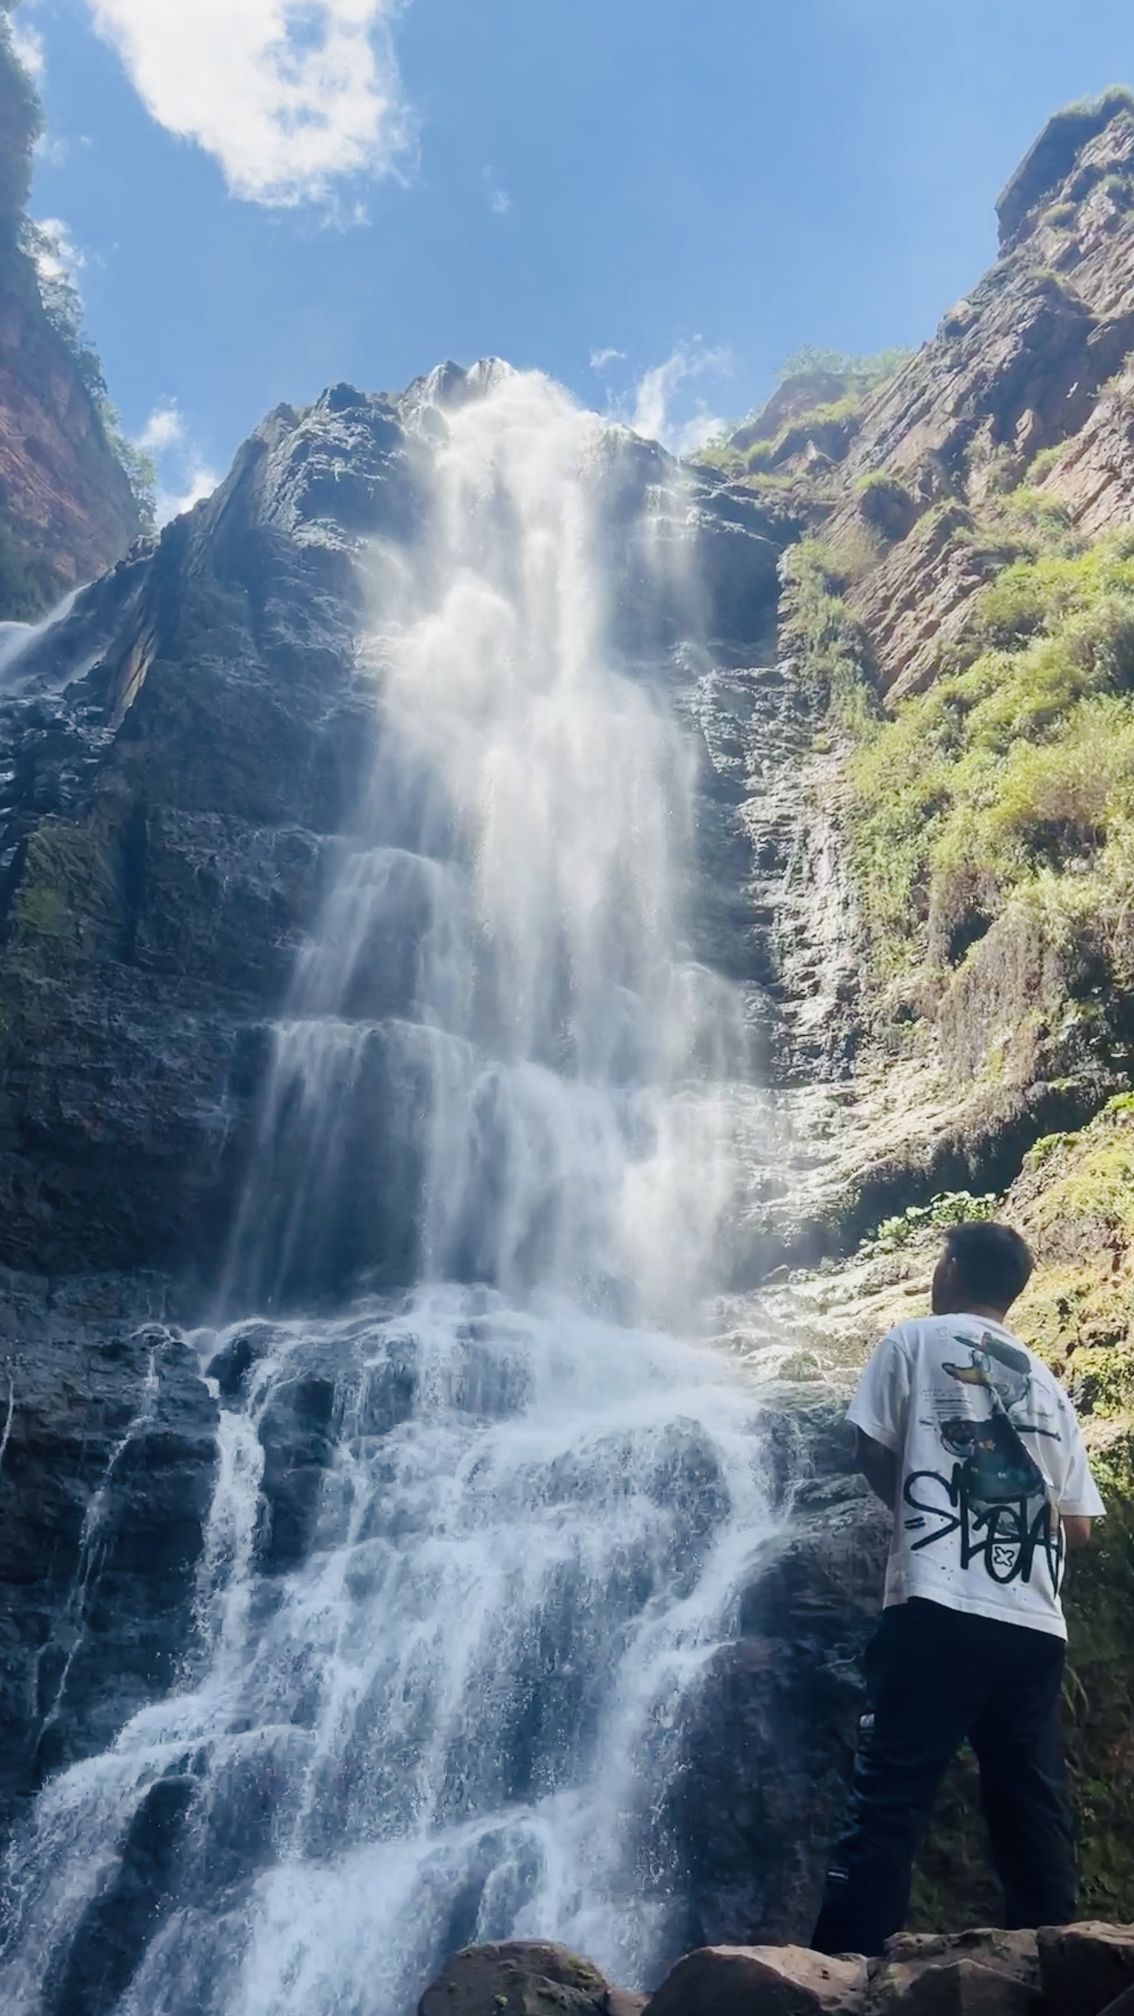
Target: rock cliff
[[67, 510]]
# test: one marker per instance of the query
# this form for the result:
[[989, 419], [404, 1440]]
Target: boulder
[[1123, 2007], [521, 1977], [950, 1987], [1012, 1955], [760, 1981], [1084, 1968]]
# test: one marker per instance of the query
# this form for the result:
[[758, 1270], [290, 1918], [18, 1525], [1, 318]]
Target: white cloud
[[289, 98], [499, 201], [164, 429], [656, 390], [28, 49], [601, 360], [184, 476]]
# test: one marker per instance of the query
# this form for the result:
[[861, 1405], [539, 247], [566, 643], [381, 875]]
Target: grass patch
[[862, 374], [831, 647], [1041, 464], [834, 416], [1014, 773]]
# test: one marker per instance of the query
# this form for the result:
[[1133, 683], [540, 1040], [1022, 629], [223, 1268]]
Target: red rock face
[[67, 511], [65, 502]]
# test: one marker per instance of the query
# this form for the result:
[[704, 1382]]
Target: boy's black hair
[[994, 1264]]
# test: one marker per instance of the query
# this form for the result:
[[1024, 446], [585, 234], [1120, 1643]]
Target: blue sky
[[708, 182]]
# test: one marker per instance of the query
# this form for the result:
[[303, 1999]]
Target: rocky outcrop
[[1079, 1970], [67, 511], [985, 1022], [1018, 364]]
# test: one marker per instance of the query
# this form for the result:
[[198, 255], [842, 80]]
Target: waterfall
[[472, 1541], [18, 640]]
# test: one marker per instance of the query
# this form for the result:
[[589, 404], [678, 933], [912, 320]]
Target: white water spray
[[456, 1710]]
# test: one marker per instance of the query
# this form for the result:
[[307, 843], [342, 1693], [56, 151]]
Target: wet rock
[[521, 1977], [790, 1687], [760, 1981], [298, 1447], [105, 1487], [1084, 1968], [113, 1933]]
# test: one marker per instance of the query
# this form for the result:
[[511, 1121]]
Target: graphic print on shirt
[[994, 1504]]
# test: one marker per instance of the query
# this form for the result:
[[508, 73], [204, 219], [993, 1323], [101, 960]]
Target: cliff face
[[67, 511], [968, 569]]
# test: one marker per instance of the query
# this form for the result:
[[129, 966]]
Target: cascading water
[[471, 1545]]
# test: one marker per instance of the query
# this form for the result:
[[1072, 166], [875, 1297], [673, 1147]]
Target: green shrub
[[769, 479], [1059, 216], [879, 479], [861, 373], [719, 453], [1045, 461], [951, 1207], [832, 649], [1115, 99], [1029, 511], [1014, 773]]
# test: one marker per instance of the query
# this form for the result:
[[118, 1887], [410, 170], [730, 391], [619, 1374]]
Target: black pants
[[934, 1677]]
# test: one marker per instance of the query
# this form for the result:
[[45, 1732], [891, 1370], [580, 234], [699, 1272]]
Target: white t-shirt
[[990, 1456]]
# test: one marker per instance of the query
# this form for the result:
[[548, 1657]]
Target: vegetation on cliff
[[1012, 777], [816, 407]]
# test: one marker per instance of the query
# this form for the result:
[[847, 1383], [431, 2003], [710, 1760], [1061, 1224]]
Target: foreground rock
[[760, 1981], [1078, 1970], [1086, 1968], [520, 1978]]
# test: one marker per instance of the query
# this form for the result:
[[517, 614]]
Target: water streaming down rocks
[[471, 1547]]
